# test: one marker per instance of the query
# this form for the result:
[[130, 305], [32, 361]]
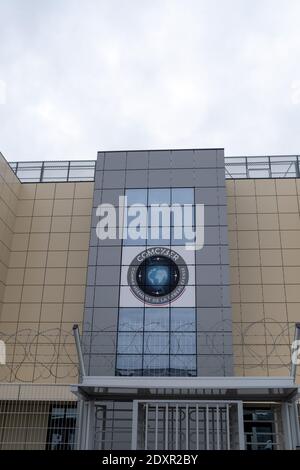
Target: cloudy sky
[[77, 76]]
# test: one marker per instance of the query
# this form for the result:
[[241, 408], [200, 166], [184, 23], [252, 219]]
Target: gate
[[187, 425]]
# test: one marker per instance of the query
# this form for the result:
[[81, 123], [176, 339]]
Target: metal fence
[[58, 171], [286, 166], [37, 417]]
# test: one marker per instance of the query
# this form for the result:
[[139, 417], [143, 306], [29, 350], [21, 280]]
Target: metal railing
[[285, 166], [58, 171]]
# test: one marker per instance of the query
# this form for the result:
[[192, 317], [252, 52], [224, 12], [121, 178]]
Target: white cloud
[[83, 76]]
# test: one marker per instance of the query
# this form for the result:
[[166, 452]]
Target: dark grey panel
[[98, 180], [115, 161], [214, 319], [208, 275], [100, 161], [208, 255], [111, 196], [92, 260], [160, 159], [182, 178], [183, 159], [91, 276], [159, 178], [210, 365], [89, 296], [206, 158], [105, 319], [212, 296], [214, 343], [136, 179], [106, 297], [102, 364], [137, 160], [108, 276], [114, 179], [109, 256], [206, 177]]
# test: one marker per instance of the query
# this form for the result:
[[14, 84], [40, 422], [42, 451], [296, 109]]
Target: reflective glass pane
[[156, 343], [183, 343], [129, 365], [183, 195], [136, 196], [156, 319], [130, 343], [156, 365], [183, 319], [131, 319], [159, 196], [183, 365]]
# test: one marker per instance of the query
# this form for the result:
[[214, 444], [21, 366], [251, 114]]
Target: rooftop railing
[[286, 166]]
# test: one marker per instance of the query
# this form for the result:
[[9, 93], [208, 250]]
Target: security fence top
[[238, 167]]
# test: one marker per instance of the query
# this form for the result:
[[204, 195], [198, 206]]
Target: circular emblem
[[157, 275]]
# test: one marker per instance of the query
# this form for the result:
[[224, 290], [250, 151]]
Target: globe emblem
[[157, 275]]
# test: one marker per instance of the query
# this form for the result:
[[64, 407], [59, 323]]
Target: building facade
[[183, 346]]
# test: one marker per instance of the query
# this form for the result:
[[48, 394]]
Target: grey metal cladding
[[110, 276], [100, 161], [159, 178], [105, 319], [106, 296], [214, 319], [109, 256], [92, 258], [211, 365], [205, 158], [206, 177], [159, 159], [182, 178], [102, 364], [208, 275], [137, 160], [98, 179], [212, 296], [183, 159], [207, 196], [91, 276], [114, 179], [115, 161], [136, 178], [111, 196], [214, 342], [208, 255]]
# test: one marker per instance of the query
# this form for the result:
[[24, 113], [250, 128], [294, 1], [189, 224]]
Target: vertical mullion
[[146, 427], [218, 426], [187, 427], [207, 426], [156, 426], [167, 427], [176, 428], [197, 427], [228, 427]]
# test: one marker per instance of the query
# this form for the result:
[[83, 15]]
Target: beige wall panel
[[265, 278]]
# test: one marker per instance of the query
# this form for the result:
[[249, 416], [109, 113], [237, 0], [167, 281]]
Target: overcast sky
[[78, 76]]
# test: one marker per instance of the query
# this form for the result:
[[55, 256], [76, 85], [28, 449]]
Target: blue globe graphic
[[158, 275]]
